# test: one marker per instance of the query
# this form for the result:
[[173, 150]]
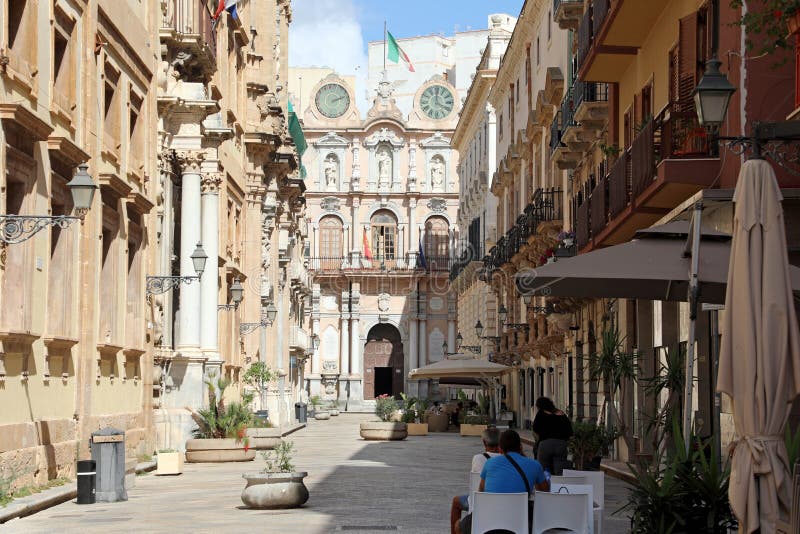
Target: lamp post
[[314, 341], [475, 349], [18, 228], [479, 331], [503, 313], [237, 292], [266, 320], [157, 285]]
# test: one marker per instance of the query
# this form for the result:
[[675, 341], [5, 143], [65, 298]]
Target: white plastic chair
[[474, 484], [555, 479], [508, 511], [561, 510], [598, 481], [577, 489]]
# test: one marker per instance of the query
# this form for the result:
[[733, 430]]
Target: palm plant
[[670, 378], [617, 369], [220, 420]]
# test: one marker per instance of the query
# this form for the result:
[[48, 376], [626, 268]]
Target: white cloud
[[327, 33]]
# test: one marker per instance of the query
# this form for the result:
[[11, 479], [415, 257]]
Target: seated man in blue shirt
[[500, 476]]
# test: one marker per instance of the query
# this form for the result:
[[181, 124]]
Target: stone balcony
[[298, 339], [568, 13]]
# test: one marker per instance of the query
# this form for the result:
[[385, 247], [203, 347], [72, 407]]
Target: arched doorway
[[383, 362]]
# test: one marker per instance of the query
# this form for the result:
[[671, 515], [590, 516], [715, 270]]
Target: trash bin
[[108, 452], [262, 416], [86, 481], [300, 412]]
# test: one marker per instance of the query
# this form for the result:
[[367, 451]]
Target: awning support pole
[[693, 294]]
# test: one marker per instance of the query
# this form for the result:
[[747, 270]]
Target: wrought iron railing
[[619, 185], [191, 17], [555, 132], [600, 9], [568, 110], [598, 207], [589, 92], [585, 35], [582, 224], [409, 262]]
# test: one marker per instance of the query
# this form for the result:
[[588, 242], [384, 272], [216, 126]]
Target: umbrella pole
[[693, 290]]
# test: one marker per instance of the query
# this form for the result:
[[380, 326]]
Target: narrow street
[[355, 486]]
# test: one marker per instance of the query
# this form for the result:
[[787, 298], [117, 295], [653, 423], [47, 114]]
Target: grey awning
[[652, 266]]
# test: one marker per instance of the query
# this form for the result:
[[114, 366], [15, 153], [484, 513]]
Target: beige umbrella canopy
[[460, 366], [759, 365]]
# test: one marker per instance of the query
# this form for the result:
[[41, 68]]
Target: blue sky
[[409, 18], [335, 33]]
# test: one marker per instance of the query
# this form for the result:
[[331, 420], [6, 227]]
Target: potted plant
[[319, 414], [769, 25], [414, 415], [258, 376], [278, 485], [384, 429], [566, 239], [221, 428], [169, 462], [587, 444]]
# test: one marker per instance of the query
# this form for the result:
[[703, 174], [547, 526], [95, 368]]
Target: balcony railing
[[298, 338], [585, 35], [545, 206], [469, 252], [555, 132], [338, 264], [191, 17], [589, 92], [600, 9], [669, 136], [568, 110]]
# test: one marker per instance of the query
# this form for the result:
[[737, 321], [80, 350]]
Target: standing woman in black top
[[553, 429]]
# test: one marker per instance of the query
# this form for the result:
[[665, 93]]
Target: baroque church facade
[[382, 199]]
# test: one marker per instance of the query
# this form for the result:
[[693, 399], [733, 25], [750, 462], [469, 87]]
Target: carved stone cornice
[[190, 160], [210, 182]]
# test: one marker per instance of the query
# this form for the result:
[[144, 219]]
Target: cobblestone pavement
[[356, 486]]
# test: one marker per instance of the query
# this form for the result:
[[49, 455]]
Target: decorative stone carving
[[437, 173], [330, 365], [437, 205], [384, 158], [385, 135], [384, 300], [210, 182], [190, 160], [330, 204], [329, 383], [331, 167]]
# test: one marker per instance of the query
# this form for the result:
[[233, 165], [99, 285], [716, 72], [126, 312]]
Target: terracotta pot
[[381, 431], [217, 450], [265, 491], [417, 429]]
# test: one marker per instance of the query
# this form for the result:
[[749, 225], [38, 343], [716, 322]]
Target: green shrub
[[220, 420], [279, 459], [385, 406]]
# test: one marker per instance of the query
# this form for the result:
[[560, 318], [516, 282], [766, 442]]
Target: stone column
[[344, 346], [413, 345], [209, 284], [412, 212], [356, 348], [452, 317], [189, 333], [423, 344]]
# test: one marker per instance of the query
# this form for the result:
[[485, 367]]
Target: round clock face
[[332, 100], [436, 102]]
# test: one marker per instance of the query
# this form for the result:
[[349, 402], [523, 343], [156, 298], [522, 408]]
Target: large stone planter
[[472, 430], [417, 429], [334, 412], [169, 463], [265, 491], [263, 438], [380, 431], [322, 415], [438, 422], [217, 450]]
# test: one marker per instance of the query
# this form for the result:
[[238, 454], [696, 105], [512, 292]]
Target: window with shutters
[[528, 83], [437, 241], [330, 237], [62, 256], [20, 31], [64, 59], [384, 235], [111, 108]]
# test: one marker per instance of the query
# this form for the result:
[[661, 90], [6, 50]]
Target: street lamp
[[479, 331], [475, 349], [237, 292], [18, 228], [267, 319], [712, 95], [315, 341], [459, 341], [503, 314], [157, 285]]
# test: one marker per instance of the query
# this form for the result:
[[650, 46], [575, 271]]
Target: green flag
[[395, 52], [296, 131]]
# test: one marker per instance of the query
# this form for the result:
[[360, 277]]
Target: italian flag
[[395, 53]]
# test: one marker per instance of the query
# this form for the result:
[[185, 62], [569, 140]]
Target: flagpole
[[385, 38]]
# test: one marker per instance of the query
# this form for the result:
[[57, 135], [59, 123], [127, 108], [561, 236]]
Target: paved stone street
[[355, 486]]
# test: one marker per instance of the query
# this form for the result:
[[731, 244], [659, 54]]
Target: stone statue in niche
[[437, 173], [331, 172], [384, 158]]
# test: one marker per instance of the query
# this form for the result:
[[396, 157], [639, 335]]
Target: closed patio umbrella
[[759, 364]]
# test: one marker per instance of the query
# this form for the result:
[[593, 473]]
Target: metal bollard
[[86, 481]]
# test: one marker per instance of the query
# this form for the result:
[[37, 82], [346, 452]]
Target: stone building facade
[[183, 126], [229, 170], [77, 84]]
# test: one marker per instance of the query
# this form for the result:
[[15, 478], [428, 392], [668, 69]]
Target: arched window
[[437, 242], [330, 242], [384, 235]]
